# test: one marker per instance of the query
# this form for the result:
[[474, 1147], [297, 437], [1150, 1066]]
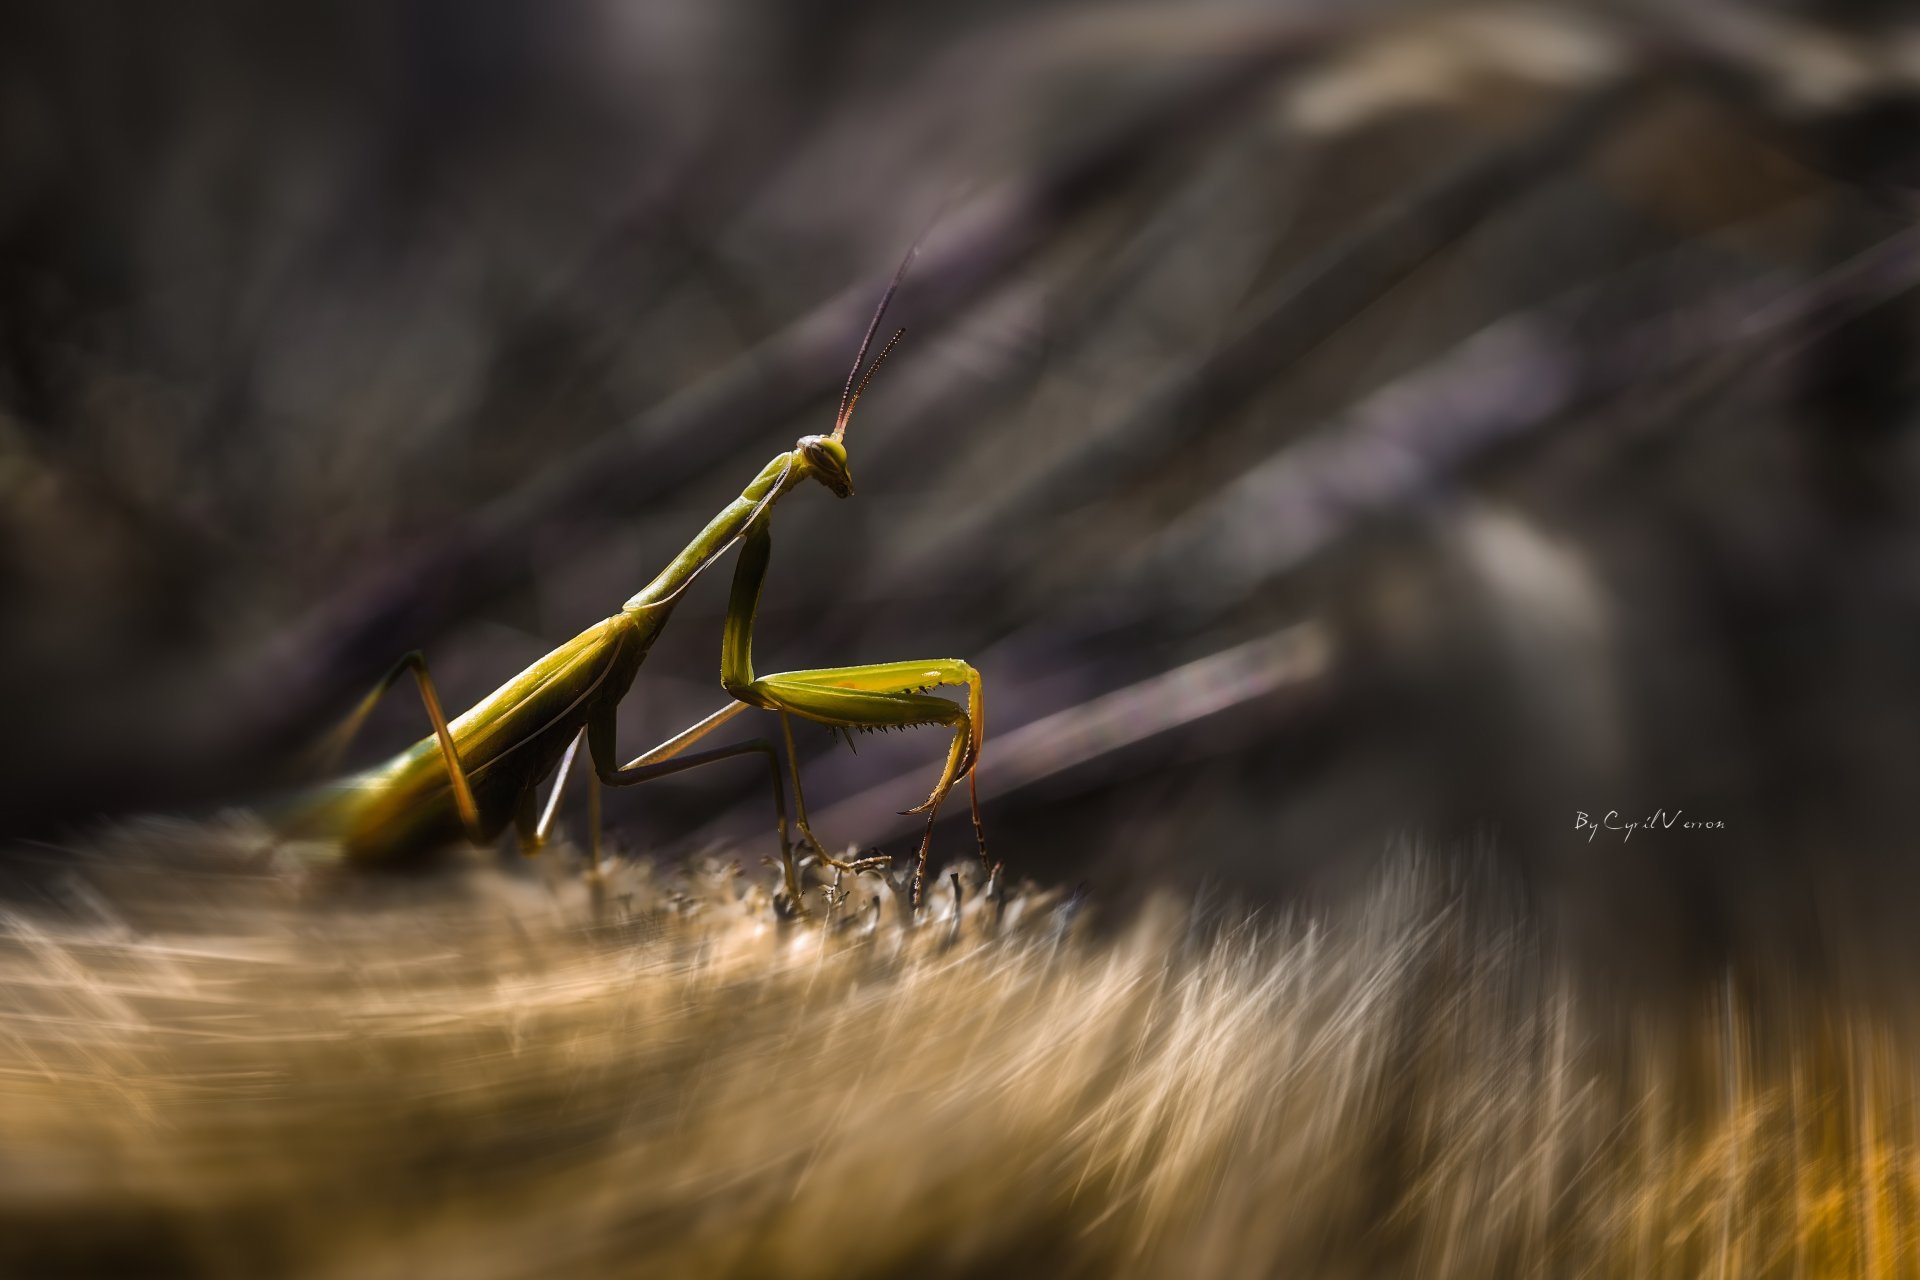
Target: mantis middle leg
[[671, 757], [533, 822]]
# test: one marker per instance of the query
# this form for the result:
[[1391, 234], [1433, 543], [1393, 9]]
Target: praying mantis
[[481, 770]]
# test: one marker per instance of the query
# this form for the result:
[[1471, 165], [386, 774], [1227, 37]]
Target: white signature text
[[1658, 820]]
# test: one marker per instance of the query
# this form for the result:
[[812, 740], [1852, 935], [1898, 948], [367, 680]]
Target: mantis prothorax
[[482, 769]]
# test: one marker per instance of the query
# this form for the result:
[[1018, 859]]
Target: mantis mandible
[[481, 770]]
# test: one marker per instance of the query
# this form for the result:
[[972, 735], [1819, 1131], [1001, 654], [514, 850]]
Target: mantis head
[[826, 458]]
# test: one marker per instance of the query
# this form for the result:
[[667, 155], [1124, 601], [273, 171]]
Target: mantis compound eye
[[828, 458]]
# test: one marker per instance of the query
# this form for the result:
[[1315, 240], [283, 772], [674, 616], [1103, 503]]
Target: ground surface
[[212, 1064]]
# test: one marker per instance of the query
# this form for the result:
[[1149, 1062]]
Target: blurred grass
[[256, 1072]]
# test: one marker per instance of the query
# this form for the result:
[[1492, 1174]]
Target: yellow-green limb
[[882, 695], [337, 742]]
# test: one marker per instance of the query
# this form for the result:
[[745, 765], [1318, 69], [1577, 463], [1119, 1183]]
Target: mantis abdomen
[[508, 743]]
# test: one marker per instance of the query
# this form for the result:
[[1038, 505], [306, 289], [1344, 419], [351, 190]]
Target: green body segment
[[512, 740], [507, 743]]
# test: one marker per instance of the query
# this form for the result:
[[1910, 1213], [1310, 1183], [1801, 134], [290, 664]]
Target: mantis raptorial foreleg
[[882, 695], [337, 742]]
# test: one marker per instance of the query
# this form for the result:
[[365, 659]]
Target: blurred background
[[1327, 427]]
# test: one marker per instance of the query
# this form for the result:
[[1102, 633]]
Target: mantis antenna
[[850, 394], [857, 382], [846, 414]]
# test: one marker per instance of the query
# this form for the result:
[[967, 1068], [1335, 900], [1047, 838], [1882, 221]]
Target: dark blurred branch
[[1729, 51], [1294, 317], [1417, 435]]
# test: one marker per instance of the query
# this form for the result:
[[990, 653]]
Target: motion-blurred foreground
[[1322, 426], [462, 1077]]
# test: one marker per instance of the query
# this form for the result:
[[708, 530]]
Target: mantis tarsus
[[481, 770]]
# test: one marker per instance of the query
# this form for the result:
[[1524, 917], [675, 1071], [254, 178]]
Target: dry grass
[[210, 1066]]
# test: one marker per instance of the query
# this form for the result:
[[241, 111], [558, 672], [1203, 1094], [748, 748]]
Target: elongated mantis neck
[[775, 480]]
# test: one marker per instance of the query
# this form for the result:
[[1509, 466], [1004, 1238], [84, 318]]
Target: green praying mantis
[[478, 771]]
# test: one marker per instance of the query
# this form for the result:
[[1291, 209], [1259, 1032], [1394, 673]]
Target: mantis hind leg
[[335, 744]]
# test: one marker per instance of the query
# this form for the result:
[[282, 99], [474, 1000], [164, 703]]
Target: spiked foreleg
[[882, 695]]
